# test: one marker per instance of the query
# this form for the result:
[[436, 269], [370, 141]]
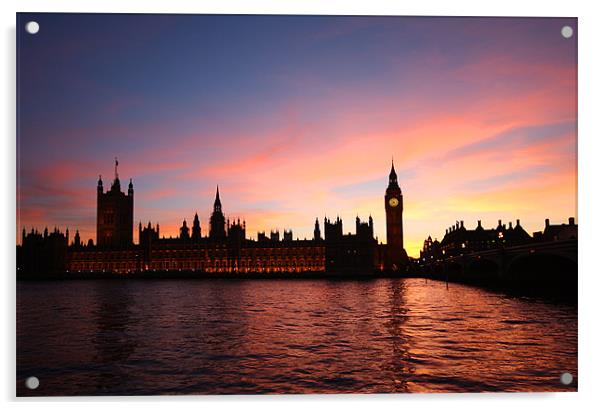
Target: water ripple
[[280, 336]]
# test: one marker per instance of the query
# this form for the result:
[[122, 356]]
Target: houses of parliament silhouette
[[225, 249]]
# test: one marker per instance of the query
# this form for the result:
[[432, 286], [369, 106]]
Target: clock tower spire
[[394, 210]]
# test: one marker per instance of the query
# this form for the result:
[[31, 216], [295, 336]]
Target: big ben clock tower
[[394, 209]]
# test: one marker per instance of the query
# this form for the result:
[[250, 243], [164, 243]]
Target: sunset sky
[[297, 117]]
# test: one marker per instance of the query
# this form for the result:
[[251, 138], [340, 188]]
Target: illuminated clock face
[[393, 202]]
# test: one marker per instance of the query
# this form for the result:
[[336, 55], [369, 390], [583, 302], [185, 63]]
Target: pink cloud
[[286, 176]]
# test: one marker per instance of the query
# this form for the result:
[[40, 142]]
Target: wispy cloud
[[300, 120]]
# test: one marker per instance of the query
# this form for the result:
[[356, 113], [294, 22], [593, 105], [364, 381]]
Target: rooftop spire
[[392, 174], [116, 173], [217, 205]]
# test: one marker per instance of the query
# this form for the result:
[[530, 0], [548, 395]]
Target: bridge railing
[[562, 246]]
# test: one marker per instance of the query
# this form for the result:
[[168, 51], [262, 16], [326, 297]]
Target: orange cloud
[[465, 147]]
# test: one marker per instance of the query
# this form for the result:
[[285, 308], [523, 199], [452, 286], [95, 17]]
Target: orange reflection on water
[[288, 336]]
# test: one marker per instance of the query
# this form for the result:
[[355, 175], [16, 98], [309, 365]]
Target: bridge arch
[[542, 266], [484, 269], [454, 269]]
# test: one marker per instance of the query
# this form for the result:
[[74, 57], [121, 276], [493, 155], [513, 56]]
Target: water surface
[[119, 337]]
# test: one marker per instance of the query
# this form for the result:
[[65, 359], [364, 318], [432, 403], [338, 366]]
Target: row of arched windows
[[294, 259]]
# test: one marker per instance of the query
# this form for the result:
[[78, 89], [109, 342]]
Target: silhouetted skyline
[[294, 115]]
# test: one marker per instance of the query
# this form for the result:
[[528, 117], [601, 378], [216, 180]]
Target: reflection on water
[[113, 343], [287, 336]]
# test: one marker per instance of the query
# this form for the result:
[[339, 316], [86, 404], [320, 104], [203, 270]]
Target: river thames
[[141, 337]]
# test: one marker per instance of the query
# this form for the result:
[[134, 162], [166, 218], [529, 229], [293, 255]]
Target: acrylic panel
[[259, 204]]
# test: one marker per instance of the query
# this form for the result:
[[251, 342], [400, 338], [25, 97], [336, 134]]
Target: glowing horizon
[[297, 118]]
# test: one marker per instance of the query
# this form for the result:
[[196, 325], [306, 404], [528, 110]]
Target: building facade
[[224, 249], [396, 254], [114, 214], [461, 241]]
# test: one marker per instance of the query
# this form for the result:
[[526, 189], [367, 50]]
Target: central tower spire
[[217, 221], [217, 205]]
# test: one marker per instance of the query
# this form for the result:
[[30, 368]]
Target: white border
[[590, 206]]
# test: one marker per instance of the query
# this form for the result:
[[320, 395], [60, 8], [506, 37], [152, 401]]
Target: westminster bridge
[[552, 261]]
